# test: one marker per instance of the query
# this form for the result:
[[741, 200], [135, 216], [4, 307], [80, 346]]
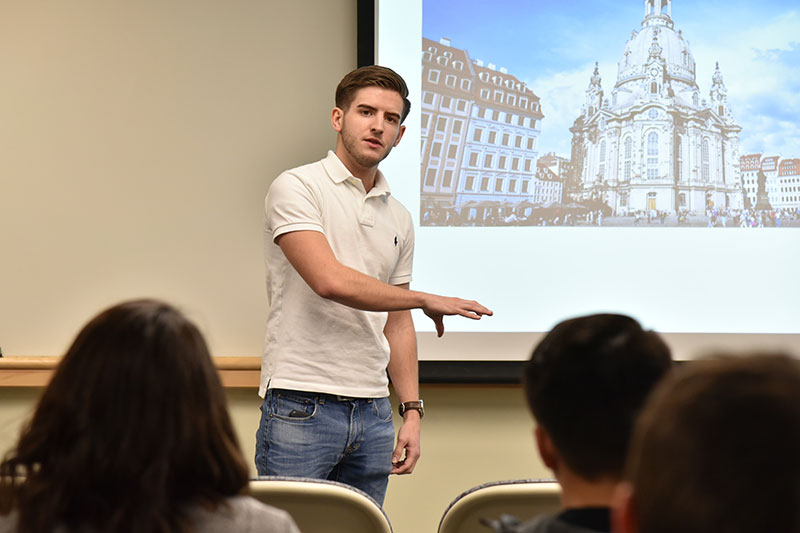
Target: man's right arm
[[311, 256]]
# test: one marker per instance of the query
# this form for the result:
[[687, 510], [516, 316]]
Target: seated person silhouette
[[716, 449], [585, 384], [132, 435]]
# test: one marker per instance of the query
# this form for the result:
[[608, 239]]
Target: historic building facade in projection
[[480, 128], [656, 144], [779, 179]]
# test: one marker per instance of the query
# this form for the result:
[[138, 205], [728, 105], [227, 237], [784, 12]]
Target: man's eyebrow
[[368, 107]]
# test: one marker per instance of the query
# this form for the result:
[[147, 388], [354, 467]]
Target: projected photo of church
[[533, 144]]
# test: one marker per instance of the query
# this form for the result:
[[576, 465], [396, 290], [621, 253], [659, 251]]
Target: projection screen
[[564, 159]]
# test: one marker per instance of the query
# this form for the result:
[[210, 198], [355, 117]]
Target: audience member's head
[[132, 430], [585, 383], [717, 448]]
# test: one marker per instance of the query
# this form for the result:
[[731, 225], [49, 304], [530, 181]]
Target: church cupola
[[658, 12], [654, 69]]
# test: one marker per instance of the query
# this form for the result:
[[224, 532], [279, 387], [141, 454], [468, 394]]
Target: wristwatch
[[417, 406]]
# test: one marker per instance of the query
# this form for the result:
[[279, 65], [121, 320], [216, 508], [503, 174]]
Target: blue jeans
[[324, 436]]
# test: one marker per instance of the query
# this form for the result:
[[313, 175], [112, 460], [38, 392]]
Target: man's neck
[[367, 175], [577, 492]]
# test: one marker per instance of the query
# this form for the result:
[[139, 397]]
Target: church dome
[[657, 36]]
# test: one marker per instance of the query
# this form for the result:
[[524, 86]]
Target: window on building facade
[[433, 76], [652, 155], [427, 98], [466, 84], [447, 180], [427, 56], [495, 115], [506, 139], [602, 163], [512, 185], [704, 160], [457, 127], [473, 159], [441, 124], [445, 102], [528, 165], [679, 150], [485, 183], [461, 105], [530, 143], [515, 163], [501, 164], [521, 121], [458, 65], [424, 120], [498, 96], [682, 199], [627, 156], [525, 186], [518, 141], [470, 183], [477, 135], [484, 93], [492, 137], [436, 150], [511, 99], [452, 151], [450, 80], [488, 159], [498, 185], [430, 177]]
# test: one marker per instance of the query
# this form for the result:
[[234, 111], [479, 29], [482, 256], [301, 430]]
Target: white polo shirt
[[314, 344]]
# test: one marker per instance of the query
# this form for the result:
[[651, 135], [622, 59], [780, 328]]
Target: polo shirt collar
[[339, 173]]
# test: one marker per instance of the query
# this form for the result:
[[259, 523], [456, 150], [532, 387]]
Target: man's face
[[369, 128]]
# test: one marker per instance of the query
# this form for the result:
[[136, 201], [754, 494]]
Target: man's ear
[[400, 133], [336, 119], [546, 449], [623, 518]]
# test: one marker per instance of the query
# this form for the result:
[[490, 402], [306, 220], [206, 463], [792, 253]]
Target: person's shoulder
[[8, 522], [245, 514]]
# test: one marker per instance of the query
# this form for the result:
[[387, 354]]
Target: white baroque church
[[656, 145]]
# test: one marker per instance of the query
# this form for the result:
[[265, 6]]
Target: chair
[[319, 505], [522, 498]]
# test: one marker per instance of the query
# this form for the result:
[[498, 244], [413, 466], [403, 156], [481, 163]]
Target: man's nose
[[377, 123]]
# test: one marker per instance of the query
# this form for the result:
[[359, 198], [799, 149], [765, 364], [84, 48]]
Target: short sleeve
[[291, 205], [402, 270]]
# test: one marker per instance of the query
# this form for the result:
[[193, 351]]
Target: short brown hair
[[716, 449], [372, 76]]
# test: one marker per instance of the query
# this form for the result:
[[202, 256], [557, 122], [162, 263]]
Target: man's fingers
[[439, 321]]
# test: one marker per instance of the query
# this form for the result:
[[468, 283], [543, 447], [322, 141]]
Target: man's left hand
[[408, 441]]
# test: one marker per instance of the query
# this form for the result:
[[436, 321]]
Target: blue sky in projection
[[553, 47]]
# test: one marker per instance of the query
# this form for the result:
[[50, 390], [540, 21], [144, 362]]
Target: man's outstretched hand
[[436, 307]]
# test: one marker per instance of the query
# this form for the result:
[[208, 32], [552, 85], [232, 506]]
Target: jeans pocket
[[293, 407], [383, 409]]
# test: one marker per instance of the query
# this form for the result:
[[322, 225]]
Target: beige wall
[[137, 142], [471, 434]]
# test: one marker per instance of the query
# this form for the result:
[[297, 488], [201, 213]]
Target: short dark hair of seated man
[[717, 448], [585, 384]]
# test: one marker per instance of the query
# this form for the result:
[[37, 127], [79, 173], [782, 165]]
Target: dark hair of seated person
[[586, 382], [132, 430]]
